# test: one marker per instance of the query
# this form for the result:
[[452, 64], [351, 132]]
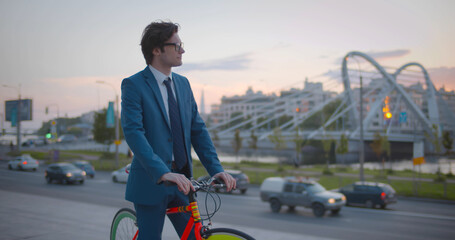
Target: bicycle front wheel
[[124, 225], [225, 234]]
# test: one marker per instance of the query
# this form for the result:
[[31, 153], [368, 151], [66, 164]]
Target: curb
[[430, 200]]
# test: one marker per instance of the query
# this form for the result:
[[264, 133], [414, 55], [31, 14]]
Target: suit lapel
[[151, 82]]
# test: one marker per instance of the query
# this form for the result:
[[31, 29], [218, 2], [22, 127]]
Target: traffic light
[[388, 115], [49, 134]]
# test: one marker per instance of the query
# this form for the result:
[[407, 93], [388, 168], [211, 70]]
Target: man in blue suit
[[161, 122]]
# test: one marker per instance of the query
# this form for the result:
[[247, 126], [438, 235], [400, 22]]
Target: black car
[[65, 173], [87, 167], [369, 194], [242, 180]]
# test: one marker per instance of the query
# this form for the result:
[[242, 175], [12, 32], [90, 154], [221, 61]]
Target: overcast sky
[[57, 50]]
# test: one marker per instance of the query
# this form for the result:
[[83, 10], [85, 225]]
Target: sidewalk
[[50, 218]]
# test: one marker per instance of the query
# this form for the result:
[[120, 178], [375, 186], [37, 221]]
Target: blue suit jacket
[[147, 131]]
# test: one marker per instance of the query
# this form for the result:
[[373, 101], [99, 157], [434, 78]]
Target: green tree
[[298, 142], [434, 138], [326, 146], [447, 141], [253, 143], [237, 144], [342, 145], [278, 139], [381, 147], [101, 133]]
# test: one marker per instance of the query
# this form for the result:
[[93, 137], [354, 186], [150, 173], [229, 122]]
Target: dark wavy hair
[[155, 35]]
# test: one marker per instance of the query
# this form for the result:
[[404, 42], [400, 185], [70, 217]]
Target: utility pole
[[362, 149], [18, 116]]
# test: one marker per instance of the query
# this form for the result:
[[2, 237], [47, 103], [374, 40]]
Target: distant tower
[[202, 104]]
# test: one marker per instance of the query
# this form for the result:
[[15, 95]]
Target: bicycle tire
[[225, 234], [123, 225]]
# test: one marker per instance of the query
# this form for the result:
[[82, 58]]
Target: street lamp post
[[361, 144], [18, 115], [362, 149], [117, 121]]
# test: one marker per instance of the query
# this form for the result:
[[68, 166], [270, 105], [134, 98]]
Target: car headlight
[[84, 173], [69, 174], [343, 198], [332, 200]]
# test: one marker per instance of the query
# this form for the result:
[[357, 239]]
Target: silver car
[[292, 191], [24, 162]]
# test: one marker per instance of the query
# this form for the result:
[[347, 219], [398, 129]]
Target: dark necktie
[[176, 128]]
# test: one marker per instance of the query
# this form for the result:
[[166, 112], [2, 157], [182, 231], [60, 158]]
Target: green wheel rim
[[226, 234], [124, 225]]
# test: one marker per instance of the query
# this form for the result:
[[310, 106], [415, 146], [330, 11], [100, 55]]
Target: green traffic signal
[[48, 135]]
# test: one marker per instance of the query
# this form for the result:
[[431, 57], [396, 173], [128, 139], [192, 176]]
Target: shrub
[[327, 171]]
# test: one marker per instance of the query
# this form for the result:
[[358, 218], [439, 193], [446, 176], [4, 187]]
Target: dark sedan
[[369, 194], [65, 173], [242, 180], [86, 166]]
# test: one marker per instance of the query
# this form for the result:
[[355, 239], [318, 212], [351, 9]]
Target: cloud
[[233, 63], [333, 74], [389, 54], [381, 55]]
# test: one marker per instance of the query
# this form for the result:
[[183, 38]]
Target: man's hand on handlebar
[[182, 182], [228, 180]]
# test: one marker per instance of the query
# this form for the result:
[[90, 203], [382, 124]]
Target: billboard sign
[[110, 119], [11, 107]]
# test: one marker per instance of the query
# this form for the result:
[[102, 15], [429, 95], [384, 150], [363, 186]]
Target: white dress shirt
[[160, 78]]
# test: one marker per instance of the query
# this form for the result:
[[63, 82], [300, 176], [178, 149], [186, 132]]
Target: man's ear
[[156, 51]]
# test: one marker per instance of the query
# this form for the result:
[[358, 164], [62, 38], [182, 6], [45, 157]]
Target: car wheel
[[275, 205], [92, 176], [291, 208], [383, 206], [243, 191], [318, 209], [335, 211], [114, 178], [9, 167], [369, 204], [48, 180], [20, 168], [34, 169], [81, 181]]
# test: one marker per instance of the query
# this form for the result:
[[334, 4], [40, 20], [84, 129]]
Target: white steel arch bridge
[[405, 107]]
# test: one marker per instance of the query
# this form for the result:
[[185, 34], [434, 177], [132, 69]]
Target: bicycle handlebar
[[198, 185]]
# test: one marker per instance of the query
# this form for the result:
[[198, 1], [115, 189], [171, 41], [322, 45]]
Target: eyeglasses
[[178, 46]]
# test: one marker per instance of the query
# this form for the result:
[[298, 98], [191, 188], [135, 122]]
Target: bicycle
[[124, 226]]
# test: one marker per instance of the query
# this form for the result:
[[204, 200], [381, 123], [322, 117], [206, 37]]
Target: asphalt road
[[32, 209]]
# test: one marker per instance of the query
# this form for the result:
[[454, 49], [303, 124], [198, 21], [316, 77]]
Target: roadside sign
[[110, 116], [25, 110], [418, 156], [403, 117], [118, 142]]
